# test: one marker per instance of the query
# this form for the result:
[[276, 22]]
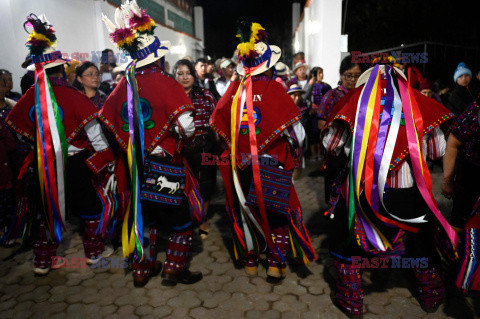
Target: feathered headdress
[[133, 33], [51, 143], [121, 35], [41, 37], [249, 33], [254, 53], [137, 19]]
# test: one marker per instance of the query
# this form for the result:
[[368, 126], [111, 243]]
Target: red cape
[[77, 109], [274, 111], [433, 113], [162, 99]]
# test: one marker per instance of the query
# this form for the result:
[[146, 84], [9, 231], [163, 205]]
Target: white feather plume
[[110, 26], [44, 20], [119, 18], [135, 8]]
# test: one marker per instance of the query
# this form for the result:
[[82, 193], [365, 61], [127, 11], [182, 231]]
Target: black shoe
[[274, 280], [140, 281], [186, 277]]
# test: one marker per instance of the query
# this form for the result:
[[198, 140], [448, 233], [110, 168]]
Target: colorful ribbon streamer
[[236, 113], [132, 240], [51, 148], [373, 142]]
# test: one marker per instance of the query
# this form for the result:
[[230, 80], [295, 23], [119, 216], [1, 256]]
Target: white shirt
[[95, 136]]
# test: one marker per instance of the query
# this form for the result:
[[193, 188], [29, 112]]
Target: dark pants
[[467, 190], [81, 195], [334, 165], [206, 175], [406, 203]]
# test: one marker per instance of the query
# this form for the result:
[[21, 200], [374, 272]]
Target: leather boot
[[143, 271], [175, 269]]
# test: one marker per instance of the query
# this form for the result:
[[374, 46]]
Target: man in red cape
[[88, 153], [267, 131], [406, 220], [166, 120]]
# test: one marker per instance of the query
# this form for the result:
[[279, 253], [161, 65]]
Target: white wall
[[319, 35], [79, 29]]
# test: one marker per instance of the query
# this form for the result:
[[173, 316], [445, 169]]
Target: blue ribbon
[[49, 57], [151, 48], [266, 56]]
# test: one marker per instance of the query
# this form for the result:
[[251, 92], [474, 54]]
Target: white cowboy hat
[[295, 88], [268, 57], [281, 68], [225, 62], [299, 65]]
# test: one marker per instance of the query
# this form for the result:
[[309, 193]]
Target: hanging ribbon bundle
[[261, 222], [414, 125], [132, 236], [51, 152], [374, 138]]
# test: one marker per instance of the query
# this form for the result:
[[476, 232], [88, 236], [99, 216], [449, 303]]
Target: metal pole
[[425, 52]]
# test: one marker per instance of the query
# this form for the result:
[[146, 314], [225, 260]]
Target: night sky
[[370, 24], [220, 18]]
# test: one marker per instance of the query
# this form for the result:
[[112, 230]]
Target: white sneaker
[[107, 252], [41, 271]]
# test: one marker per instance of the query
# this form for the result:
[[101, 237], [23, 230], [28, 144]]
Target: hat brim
[[364, 77], [50, 65], [26, 63], [276, 54], [152, 58], [295, 91]]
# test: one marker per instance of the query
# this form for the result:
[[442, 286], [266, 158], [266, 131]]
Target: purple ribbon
[[358, 138], [382, 136], [360, 121]]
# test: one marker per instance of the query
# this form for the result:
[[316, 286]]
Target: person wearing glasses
[[204, 139], [349, 74], [88, 80]]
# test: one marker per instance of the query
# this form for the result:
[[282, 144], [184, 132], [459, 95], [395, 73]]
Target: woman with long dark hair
[[204, 138], [87, 80]]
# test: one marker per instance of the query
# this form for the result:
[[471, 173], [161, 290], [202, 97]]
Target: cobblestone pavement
[[225, 291]]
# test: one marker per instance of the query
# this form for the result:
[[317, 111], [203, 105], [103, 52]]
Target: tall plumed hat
[[41, 42], [253, 51], [133, 33]]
